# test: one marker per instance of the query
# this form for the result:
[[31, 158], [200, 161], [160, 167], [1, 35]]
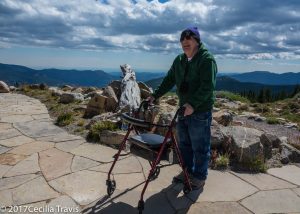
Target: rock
[[107, 116], [43, 86], [215, 109], [4, 87], [111, 100], [223, 117], [246, 143], [145, 94], [130, 91], [116, 86], [283, 139], [164, 119], [275, 141], [66, 88], [145, 87], [249, 115], [260, 119], [172, 101], [112, 137], [12, 88], [267, 144], [70, 97], [237, 123], [93, 93], [145, 90], [288, 152], [89, 90], [291, 125], [109, 92], [95, 106], [214, 123], [55, 91], [284, 156], [34, 86], [77, 90], [218, 137]]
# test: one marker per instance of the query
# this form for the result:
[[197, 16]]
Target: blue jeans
[[194, 142]]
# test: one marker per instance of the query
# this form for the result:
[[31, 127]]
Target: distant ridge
[[53, 77], [225, 83], [268, 78]]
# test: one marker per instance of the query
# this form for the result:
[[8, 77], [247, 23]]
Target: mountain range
[[53, 77], [235, 82], [226, 83], [268, 78]]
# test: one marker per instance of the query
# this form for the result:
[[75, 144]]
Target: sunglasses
[[186, 35]]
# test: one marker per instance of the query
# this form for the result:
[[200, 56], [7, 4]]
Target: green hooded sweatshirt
[[201, 78]]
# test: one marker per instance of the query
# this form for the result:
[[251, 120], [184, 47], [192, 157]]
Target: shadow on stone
[[169, 200]]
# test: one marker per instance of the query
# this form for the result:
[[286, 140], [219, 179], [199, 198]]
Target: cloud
[[230, 28]]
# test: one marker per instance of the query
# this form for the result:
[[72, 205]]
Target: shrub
[[222, 161], [272, 120], [81, 123], [64, 119], [262, 109], [256, 165], [97, 128], [243, 107], [232, 96]]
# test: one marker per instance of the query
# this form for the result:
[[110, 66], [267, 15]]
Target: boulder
[[289, 153], [273, 139], [77, 90], [70, 97], [89, 90], [12, 88], [34, 86], [291, 125], [218, 136], [164, 119], [44, 86], [172, 101], [246, 143], [55, 91], [96, 105], [116, 86], [92, 94], [107, 116], [145, 94], [112, 137], [223, 117], [145, 90], [112, 100], [4, 87], [260, 119], [66, 88], [266, 140]]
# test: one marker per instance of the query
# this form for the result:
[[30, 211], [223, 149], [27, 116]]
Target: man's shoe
[[180, 177], [197, 183]]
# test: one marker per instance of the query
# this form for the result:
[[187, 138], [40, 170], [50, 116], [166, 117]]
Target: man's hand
[[150, 99], [188, 109]]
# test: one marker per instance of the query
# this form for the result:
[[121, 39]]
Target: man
[[194, 74]]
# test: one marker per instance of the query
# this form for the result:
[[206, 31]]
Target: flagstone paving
[[44, 167]]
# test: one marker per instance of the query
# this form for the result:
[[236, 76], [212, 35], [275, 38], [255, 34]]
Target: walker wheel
[[141, 206], [155, 174], [111, 186], [186, 189]]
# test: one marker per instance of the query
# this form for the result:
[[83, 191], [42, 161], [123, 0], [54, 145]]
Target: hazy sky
[[243, 35]]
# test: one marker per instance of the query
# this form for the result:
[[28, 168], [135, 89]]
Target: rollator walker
[[154, 143]]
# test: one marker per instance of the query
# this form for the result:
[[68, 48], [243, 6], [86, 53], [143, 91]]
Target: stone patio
[[43, 167]]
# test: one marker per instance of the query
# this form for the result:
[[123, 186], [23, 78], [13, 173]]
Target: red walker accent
[[151, 142]]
